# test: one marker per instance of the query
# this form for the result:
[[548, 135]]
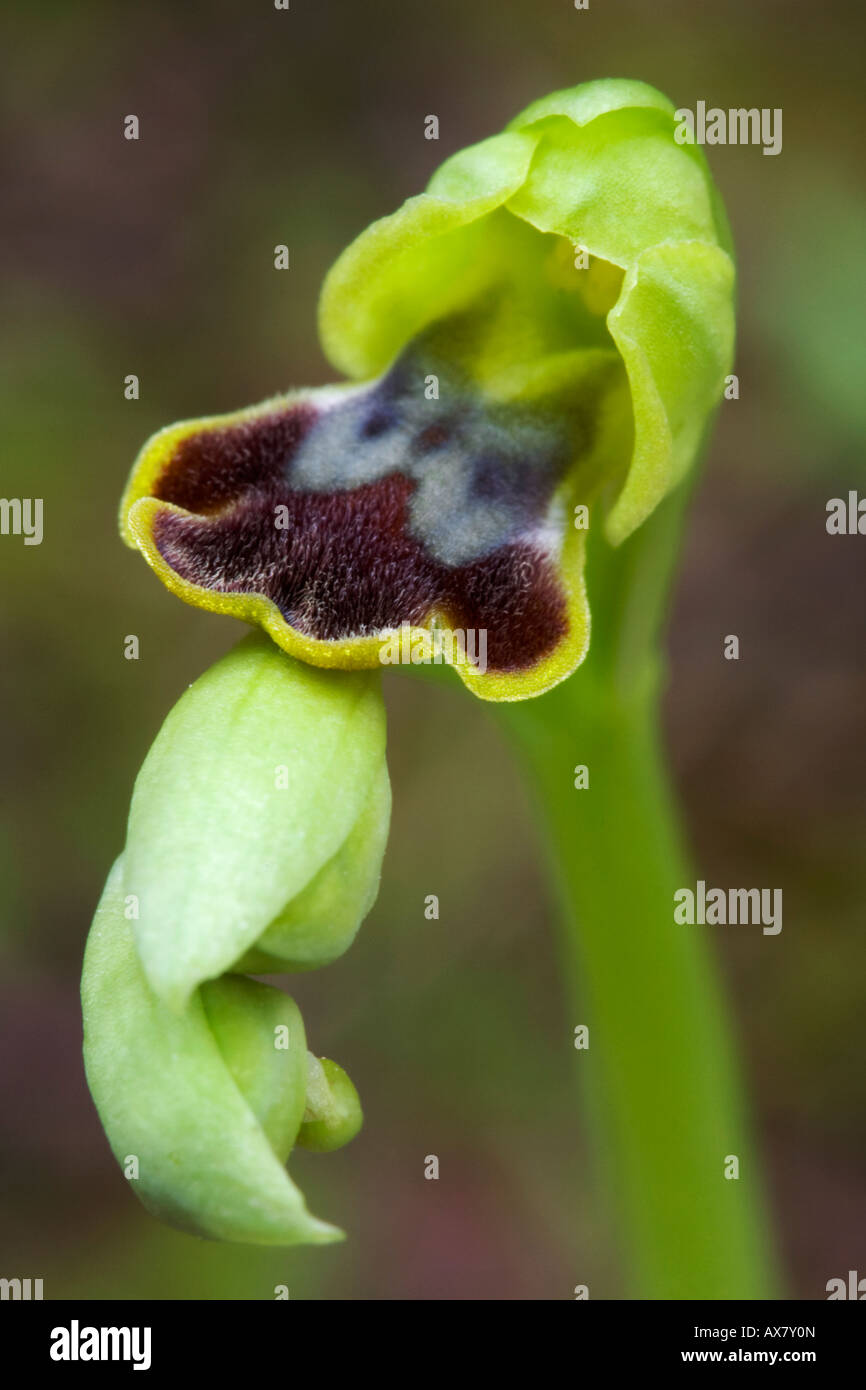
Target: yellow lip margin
[[138, 512]]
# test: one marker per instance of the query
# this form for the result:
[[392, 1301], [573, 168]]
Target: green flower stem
[[660, 1070]]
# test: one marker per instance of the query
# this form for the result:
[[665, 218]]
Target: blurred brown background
[[156, 257]]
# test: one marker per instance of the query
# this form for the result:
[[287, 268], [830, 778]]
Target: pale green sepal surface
[[420, 263], [323, 920], [617, 185], [674, 327], [260, 1033], [589, 100], [254, 782]]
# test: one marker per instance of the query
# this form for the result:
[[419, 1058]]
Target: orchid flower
[[546, 328], [531, 353]]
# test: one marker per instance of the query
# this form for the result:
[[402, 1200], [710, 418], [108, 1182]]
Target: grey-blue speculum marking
[[484, 474]]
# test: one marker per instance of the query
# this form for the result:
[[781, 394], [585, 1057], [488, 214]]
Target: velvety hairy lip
[[347, 566], [215, 467], [354, 512]]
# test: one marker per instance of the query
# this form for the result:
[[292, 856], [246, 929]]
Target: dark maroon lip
[[214, 467], [345, 566], [358, 512]]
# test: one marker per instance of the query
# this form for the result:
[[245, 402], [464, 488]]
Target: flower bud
[[203, 1106], [333, 1115]]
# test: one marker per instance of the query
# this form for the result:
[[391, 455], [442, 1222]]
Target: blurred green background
[[156, 257]]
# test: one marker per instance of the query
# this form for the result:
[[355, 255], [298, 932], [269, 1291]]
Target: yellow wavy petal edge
[[138, 512]]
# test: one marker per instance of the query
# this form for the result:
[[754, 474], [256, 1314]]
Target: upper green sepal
[[597, 168]]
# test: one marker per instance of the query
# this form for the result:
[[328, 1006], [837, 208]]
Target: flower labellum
[[547, 327]]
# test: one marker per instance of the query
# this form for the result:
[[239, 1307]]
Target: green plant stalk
[[660, 1072]]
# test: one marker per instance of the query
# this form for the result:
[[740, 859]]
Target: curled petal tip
[[333, 1116]]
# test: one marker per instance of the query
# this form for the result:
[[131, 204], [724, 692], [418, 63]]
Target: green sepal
[[321, 923], [260, 1033], [598, 167], [217, 845]]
